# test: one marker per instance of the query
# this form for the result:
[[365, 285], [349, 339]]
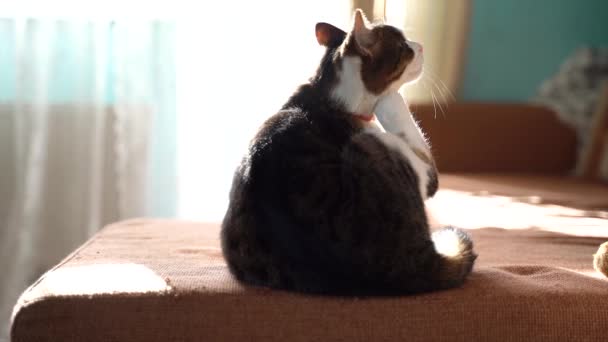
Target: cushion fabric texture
[[165, 280]]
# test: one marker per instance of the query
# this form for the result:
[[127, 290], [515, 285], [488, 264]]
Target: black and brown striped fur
[[320, 206]]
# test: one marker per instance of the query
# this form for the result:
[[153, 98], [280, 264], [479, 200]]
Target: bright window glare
[[161, 9], [236, 61], [236, 66]]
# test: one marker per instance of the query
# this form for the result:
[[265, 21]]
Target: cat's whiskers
[[433, 76], [434, 85], [443, 92], [430, 90], [442, 98], [435, 100], [434, 97]]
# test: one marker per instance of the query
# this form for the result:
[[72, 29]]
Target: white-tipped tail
[[455, 248]]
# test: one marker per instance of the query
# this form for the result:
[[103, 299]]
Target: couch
[[504, 177]]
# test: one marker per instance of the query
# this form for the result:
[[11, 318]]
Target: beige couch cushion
[[156, 280]]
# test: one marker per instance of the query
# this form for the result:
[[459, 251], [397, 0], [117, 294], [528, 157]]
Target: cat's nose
[[421, 48]]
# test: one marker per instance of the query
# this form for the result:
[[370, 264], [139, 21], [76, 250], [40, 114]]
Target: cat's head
[[370, 60]]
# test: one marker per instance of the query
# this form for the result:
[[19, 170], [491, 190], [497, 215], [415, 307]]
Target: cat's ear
[[329, 35], [364, 36]]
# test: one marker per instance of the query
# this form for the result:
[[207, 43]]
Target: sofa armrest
[[492, 137]]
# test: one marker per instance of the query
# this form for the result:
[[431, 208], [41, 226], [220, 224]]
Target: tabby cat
[[327, 199]]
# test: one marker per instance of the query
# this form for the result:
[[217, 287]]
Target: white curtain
[[77, 99]]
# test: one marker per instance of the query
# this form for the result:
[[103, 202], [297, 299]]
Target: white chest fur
[[405, 136], [350, 90], [395, 116]]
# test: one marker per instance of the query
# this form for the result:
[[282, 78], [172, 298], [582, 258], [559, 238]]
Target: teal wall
[[516, 44]]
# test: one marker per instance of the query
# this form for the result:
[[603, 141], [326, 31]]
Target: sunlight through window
[[236, 66]]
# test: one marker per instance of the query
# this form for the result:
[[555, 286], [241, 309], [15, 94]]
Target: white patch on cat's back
[[351, 90], [395, 116]]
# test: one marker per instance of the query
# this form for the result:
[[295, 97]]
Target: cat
[[329, 198]]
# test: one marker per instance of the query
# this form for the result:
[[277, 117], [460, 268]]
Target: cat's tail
[[456, 256]]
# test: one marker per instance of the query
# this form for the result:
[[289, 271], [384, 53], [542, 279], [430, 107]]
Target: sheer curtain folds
[[78, 102]]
